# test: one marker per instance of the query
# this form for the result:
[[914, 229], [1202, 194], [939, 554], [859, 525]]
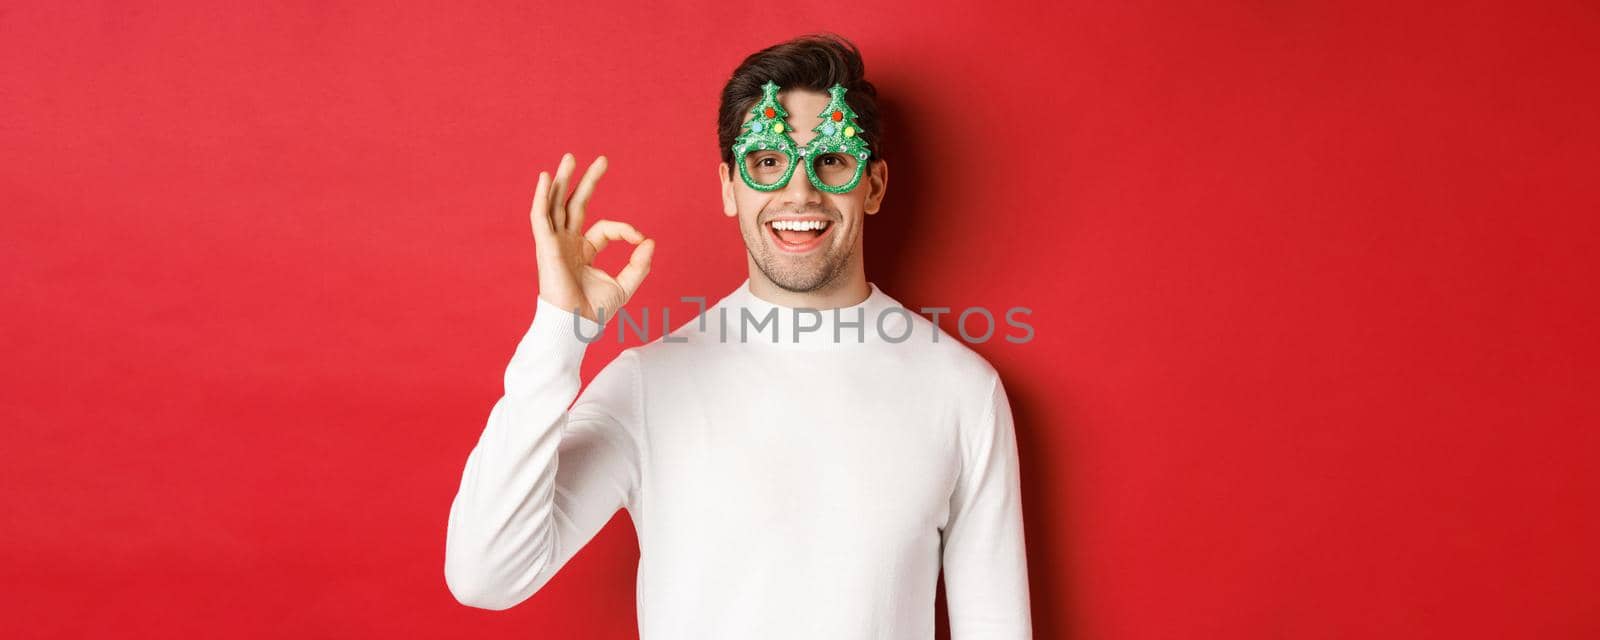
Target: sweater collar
[[761, 321]]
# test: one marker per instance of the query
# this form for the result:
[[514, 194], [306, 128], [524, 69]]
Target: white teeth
[[799, 225]]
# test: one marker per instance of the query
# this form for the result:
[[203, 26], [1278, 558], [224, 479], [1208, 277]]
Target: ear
[[730, 207], [877, 184]]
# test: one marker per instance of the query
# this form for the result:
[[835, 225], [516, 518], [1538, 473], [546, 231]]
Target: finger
[[540, 211], [580, 196], [602, 232], [633, 275], [558, 197]]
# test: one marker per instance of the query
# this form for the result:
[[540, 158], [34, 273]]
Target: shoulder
[[669, 356], [955, 361]]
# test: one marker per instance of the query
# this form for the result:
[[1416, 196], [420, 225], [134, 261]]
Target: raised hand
[[567, 275]]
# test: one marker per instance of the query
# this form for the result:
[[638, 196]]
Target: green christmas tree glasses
[[767, 156]]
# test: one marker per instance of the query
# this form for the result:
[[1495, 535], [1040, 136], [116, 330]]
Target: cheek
[[851, 206], [750, 207]]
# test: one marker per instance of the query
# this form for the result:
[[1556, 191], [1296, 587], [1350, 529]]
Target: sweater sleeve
[[542, 480], [985, 566]]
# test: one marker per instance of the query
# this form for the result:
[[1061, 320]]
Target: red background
[[1312, 285]]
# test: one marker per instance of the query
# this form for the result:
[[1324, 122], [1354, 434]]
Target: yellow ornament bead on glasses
[[849, 132]]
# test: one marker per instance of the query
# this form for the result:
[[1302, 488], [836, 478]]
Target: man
[[802, 459]]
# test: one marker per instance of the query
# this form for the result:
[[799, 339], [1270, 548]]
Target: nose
[[800, 191]]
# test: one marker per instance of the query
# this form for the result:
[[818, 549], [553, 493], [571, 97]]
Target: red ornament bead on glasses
[[837, 116], [769, 112]]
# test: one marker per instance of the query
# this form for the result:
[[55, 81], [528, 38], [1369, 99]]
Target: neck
[[849, 289]]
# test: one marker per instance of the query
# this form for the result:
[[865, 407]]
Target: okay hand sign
[[567, 275]]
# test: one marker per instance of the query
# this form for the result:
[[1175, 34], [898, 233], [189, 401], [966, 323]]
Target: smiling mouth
[[798, 235]]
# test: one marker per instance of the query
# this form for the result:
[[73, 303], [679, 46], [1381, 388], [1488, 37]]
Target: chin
[[802, 275]]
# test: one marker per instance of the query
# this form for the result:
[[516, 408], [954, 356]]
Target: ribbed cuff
[[555, 333]]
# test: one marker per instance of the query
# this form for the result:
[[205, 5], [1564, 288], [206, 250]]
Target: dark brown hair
[[815, 62]]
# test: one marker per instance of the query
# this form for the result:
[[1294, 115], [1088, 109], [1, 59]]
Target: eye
[[834, 160]]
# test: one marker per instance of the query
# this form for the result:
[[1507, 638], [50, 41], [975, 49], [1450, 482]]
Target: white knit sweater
[[808, 488]]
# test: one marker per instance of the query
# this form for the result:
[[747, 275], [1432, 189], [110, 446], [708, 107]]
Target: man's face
[[802, 259]]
